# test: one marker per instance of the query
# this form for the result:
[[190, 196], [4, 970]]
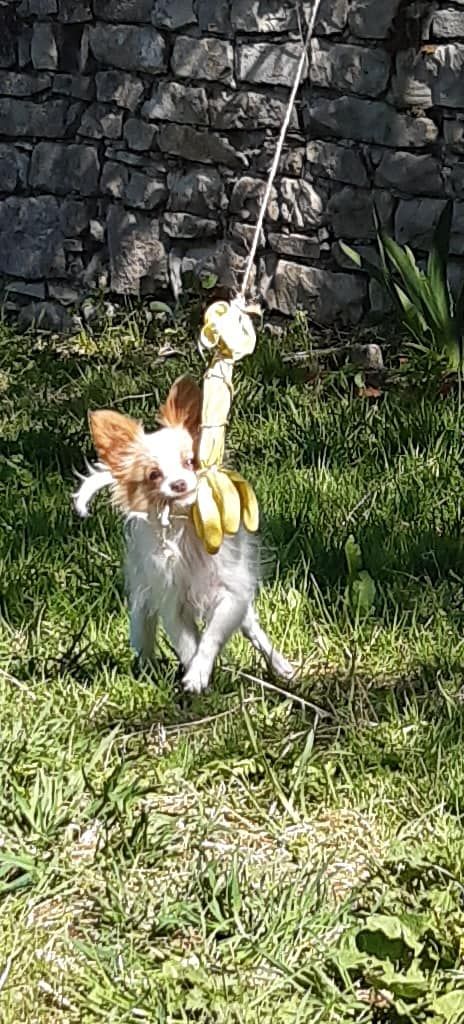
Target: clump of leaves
[[360, 590], [399, 956], [422, 299]]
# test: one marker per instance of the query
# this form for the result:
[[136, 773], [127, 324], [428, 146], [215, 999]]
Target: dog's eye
[[189, 463], [154, 475]]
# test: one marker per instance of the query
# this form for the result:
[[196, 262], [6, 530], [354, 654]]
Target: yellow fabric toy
[[224, 498]]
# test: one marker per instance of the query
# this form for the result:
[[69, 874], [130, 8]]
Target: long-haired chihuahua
[[170, 576]]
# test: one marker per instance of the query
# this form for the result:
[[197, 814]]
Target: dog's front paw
[[281, 667], [196, 678]]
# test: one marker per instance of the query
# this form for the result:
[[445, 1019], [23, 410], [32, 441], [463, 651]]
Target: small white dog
[[170, 576]]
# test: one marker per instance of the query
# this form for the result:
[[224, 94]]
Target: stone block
[[332, 17], [275, 16], [19, 118], [44, 51], [80, 87], [268, 63], [74, 220], [74, 11], [29, 289], [453, 132], [41, 7], [230, 111], [8, 36], [63, 293], [9, 173], [414, 173], [213, 16], [416, 220], [303, 205], [138, 134], [431, 78], [457, 180], [135, 251], [256, 16], [32, 242], [448, 24], [60, 169], [246, 199], [348, 68], [295, 246], [101, 122], [349, 117], [457, 230], [119, 87], [351, 215], [183, 104], [372, 19], [114, 179], [187, 225], [173, 14], [48, 316], [24, 48], [219, 258], [211, 59], [200, 146], [198, 191], [129, 47], [341, 163], [131, 11], [144, 191], [14, 84], [329, 296]]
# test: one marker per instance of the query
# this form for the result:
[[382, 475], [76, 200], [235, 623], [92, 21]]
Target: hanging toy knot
[[224, 499], [228, 329]]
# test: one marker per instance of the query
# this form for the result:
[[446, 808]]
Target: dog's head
[[152, 469]]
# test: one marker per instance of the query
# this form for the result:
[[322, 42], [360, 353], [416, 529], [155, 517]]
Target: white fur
[[171, 578], [98, 477]]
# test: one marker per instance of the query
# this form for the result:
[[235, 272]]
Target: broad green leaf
[[412, 318], [377, 273], [458, 326], [353, 557], [419, 292], [409, 984], [386, 936], [363, 592], [351, 253], [438, 258], [450, 1006], [413, 283], [208, 281], [161, 307]]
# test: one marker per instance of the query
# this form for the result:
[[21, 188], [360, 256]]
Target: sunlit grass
[[169, 860]]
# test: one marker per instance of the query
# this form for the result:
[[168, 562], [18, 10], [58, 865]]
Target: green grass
[[234, 858]]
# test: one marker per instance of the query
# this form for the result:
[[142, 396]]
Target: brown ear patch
[[182, 407], [113, 435]]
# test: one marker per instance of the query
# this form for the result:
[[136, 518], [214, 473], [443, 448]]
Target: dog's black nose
[[179, 487]]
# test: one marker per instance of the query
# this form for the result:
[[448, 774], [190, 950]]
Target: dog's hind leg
[[258, 638]]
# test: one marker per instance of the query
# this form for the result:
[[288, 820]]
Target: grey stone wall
[[136, 137]]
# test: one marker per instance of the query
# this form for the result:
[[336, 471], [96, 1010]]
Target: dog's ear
[[182, 407], [113, 436]]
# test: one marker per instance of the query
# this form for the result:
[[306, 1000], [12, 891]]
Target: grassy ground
[[236, 858]]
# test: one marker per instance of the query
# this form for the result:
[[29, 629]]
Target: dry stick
[[287, 694], [278, 152], [206, 719]]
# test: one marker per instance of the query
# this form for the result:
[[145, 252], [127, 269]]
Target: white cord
[[278, 152]]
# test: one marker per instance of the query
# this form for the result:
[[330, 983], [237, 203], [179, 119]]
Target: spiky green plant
[[422, 299]]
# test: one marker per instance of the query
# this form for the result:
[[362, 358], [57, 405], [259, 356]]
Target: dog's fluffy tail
[[97, 478]]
